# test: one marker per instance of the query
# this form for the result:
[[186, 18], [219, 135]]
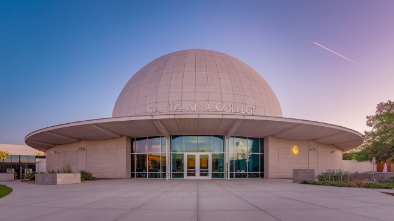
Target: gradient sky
[[64, 61]]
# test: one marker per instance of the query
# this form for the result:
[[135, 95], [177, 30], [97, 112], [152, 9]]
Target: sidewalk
[[241, 200]]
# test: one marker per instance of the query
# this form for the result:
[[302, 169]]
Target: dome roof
[[197, 81]]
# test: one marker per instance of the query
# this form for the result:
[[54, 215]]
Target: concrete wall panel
[[104, 158], [354, 166], [308, 155]]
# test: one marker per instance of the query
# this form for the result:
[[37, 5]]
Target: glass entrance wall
[[246, 157], [197, 144], [148, 157]]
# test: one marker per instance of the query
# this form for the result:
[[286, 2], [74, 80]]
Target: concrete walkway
[[241, 200]]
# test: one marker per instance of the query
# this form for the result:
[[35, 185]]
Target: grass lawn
[[4, 190]]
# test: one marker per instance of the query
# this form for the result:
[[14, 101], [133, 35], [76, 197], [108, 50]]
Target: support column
[[227, 156], [168, 163]]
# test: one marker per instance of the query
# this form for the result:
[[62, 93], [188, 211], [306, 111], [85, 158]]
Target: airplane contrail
[[335, 52]]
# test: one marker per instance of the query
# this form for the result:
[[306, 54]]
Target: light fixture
[[332, 151], [81, 148], [295, 150], [312, 149]]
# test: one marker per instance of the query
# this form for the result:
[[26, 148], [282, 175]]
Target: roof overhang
[[194, 124]]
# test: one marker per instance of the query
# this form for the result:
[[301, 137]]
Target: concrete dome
[[197, 81]]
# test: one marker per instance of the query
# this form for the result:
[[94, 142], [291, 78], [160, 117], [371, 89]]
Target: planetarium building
[[195, 114]]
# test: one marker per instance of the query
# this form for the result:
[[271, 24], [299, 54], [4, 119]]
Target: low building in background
[[196, 114], [21, 160]]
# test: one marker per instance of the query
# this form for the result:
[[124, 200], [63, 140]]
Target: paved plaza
[[241, 200]]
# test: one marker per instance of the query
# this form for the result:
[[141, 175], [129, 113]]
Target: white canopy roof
[[194, 124]]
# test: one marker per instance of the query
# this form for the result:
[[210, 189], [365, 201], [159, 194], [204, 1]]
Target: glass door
[[190, 165], [198, 165], [204, 165]]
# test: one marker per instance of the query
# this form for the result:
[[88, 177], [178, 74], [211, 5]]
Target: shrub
[[359, 183], [66, 169], [53, 171], [390, 185], [349, 185], [321, 177], [86, 175], [31, 176], [304, 182], [374, 185]]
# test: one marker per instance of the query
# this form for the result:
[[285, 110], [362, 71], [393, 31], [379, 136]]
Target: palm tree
[[3, 156]]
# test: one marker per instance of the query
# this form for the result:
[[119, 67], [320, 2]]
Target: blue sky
[[64, 61]]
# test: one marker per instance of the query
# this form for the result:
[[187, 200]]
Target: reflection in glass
[[32, 159], [217, 162], [163, 163], [177, 175], [153, 162], [15, 158], [262, 163], [140, 162], [217, 175], [163, 144], [241, 175], [24, 158], [140, 175], [191, 165], [132, 162], [177, 163], [239, 162], [231, 164], [153, 175], [231, 145], [240, 145], [254, 146], [253, 175], [204, 143], [140, 145], [217, 144], [8, 159], [177, 144], [190, 143], [261, 145], [253, 164], [150, 162], [204, 167], [197, 144], [154, 145]]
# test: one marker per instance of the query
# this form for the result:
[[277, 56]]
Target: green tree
[[3, 156], [379, 141]]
